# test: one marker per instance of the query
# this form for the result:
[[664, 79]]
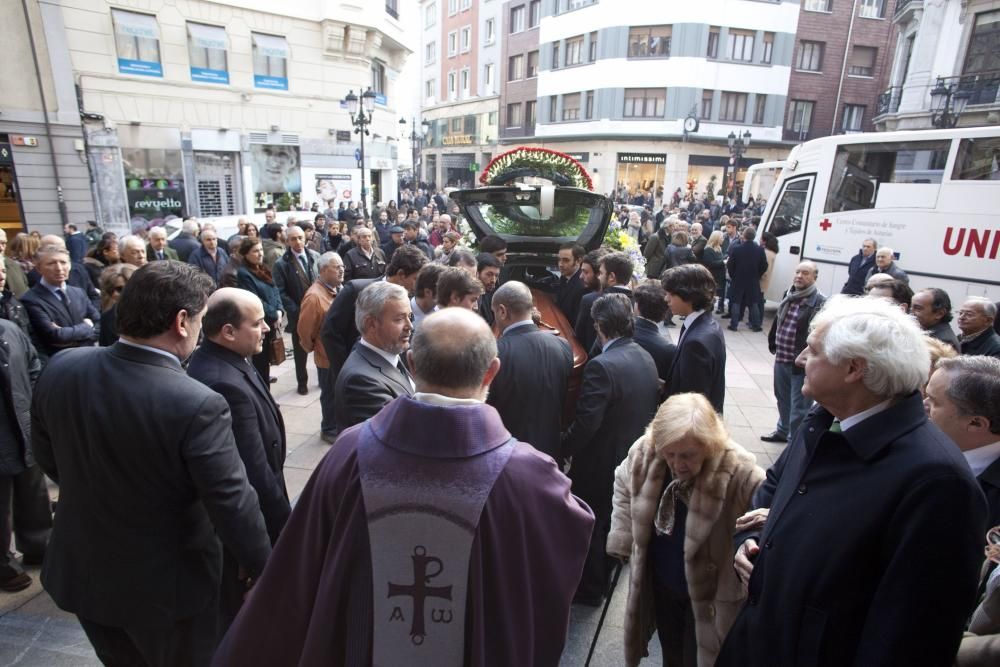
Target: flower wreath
[[557, 167]]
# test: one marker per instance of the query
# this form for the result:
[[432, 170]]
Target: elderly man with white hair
[[132, 250], [871, 550], [186, 242], [157, 248], [885, 262], [975, 321]]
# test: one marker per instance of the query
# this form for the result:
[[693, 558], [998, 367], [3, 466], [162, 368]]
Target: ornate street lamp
[[415, 143], [947, 104], [361, 118], [737, 146]]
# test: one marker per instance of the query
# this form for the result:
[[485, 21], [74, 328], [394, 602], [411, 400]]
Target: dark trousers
[[597, 568], [189, 642], [737, 308], [720, 290], [675, 627], [262, 361], [300, 355], [25, 514], [326, 383]]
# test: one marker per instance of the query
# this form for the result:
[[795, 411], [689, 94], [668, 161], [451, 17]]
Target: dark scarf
[[794, 295], [262, 272]]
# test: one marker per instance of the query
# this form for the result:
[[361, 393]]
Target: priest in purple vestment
[[427, 535]]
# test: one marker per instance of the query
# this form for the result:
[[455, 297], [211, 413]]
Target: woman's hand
[[753, 520]]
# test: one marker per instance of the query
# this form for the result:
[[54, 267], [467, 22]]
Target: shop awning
[[208, 36], [270, 45], [135, 25]]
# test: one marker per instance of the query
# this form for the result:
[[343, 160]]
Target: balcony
[[904, 5], [888, 102], [982, 87], [789, 134]]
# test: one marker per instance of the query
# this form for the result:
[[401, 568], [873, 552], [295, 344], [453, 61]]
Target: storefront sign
[[18, 140], [6, 157], [143, 67], [155, 199], [206, 75], [581, 157], [270, 82], [457, 140], [643, 158]]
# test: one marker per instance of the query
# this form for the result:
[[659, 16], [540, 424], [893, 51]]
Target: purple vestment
[[313, 604]]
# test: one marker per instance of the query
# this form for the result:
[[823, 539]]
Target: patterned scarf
[[676, 490]]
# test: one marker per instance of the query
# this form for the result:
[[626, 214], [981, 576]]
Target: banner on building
[[276, 168]]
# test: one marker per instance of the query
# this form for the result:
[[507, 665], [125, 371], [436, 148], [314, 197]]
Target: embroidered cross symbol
[[420, 590], [826, 224]]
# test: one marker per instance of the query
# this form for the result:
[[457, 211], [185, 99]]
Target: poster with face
[[276, 168], [331, 186]]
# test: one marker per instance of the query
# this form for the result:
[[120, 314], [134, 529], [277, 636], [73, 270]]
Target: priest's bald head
[[454, 353]]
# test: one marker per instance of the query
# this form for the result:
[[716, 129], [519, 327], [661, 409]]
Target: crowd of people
[[479, 481]]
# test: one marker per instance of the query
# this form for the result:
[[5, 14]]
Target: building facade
[[645, 95], [219, 107], [460, 56], [841, 63], [519, 74], [954, 44], [44, 180]]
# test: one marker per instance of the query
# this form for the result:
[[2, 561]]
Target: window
[[760, 106], [532, 71], [270, 58], [466, 4], [452, 43], [378, 77], [491, 118], [862, 61], [978, 160], [430, 53], [645, 102], [733, 107], [207, 45], [593, 47], [464, 77], [391, 8], [456, 125], [430, 15], [810, 56], [490, 31], [791, 209], [740, 45], [574, 51], [861, 169], [489, 78], [452, 85], [983, 54], [570, 5], [529, 112], [552, 108], [588, 109], [817, 5], [534, 13], [713, 43], [768, 48], [514, 115], [517, 19], [649, 41], [571, 107], [466, 39], [137, 38], [872, 9], [430, 88], [854, 115], [707, 97], [800, 117], [515, 67], [452, 7], [555, 56]]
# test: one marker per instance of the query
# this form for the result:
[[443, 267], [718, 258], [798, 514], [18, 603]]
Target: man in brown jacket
[[315, 303]]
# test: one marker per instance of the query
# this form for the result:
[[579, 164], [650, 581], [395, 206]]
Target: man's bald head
[[511, 303], [227, 305], [454, 353], [52, 239]]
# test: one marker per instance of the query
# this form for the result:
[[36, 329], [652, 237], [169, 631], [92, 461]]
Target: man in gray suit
[[150, 480], [374, 373]]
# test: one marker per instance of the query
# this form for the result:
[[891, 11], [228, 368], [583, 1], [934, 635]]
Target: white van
[[933, 196]]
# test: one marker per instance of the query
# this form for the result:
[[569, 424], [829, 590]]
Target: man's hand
[[743, 563], [87, 321], [753, 520]]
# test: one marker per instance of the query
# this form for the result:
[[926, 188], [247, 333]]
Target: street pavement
[[35, 633]]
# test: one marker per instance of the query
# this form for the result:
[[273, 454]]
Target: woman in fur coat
[[677, 497]]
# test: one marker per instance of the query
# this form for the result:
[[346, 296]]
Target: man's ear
[[856, 369], [491, 372]]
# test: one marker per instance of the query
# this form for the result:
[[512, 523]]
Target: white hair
[[890, 342], [157, 231], [131, 240], [190, 226], [372, 301], [885, 250], [985, 305], [327, 258]]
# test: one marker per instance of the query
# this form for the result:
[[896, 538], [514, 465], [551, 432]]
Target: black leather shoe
[[16, 583], [756, 329], [32, 559], [588, 600], [272, 379], [726, 316], [732, 328], [774, 437], [303, 390]]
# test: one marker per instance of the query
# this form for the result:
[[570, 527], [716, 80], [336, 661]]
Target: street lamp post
[[947, 104], [415, 143], [737, 146], [361, 118]]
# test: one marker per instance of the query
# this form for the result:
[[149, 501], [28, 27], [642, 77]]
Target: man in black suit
[[857, 271], [618, 399], [339, 331], [963, 400], [700, 360], [614, 271], [234, 331], [650, 309], [374, 373], [77, 277], [975, 321], [186, 242], [583, 326], [870, 505], [571, 288], [746, 264], [530, 390], [61, 315], [150, 480], [293, 274], [488, 272], [76, 243]]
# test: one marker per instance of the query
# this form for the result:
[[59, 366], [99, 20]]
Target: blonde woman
[[713, 260], [676, 500]]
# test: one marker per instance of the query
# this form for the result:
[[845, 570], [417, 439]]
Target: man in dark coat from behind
[[746, 264]]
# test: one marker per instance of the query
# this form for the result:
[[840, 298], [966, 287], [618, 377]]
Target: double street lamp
[[415, 141], [947, 104], [361, 118], [737, 146]]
